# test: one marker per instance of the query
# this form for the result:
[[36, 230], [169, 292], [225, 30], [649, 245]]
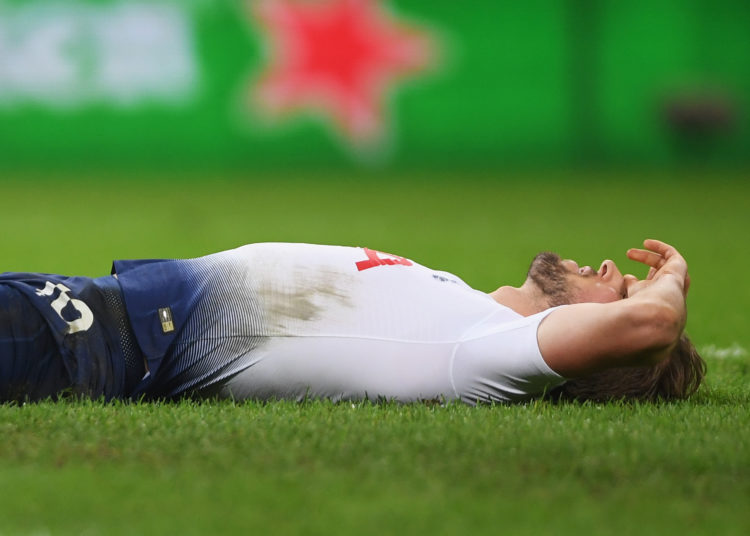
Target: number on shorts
[[58, 304]]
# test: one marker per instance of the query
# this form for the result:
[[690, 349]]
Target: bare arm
[[641, 330]]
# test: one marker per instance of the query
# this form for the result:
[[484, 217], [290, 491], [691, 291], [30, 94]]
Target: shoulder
[[503, 362]]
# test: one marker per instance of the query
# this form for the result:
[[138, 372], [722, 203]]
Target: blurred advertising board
[[326, 82]]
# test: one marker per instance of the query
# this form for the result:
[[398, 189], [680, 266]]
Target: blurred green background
[[177, 83]]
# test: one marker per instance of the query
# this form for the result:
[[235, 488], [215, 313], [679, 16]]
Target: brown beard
[[550, 277]]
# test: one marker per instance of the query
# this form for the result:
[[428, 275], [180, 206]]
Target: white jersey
[[348, 323]]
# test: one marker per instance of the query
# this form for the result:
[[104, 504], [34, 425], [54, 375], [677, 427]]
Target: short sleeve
[[503, 363]]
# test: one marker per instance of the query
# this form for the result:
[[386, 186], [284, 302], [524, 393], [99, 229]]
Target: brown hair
[[677, 377]]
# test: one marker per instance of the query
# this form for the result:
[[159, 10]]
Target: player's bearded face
[[550, 276]]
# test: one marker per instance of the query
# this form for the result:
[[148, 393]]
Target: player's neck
[[526, 300]]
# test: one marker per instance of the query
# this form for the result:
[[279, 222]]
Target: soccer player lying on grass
[[297, 321]]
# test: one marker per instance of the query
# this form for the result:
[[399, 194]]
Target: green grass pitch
[[318, 468]]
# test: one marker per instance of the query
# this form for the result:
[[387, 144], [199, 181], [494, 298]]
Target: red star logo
[[337, 59]]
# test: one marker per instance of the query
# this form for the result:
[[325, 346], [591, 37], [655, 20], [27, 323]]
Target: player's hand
[[662, 259]]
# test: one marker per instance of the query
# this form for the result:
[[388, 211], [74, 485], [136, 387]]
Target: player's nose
[[608, 270]]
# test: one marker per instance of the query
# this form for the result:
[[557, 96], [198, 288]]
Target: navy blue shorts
[[40, 358], [31, 366]]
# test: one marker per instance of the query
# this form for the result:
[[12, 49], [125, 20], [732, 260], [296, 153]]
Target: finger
[[651, 273], [662, 248], [673, 262], [671, 256], [649, 258]]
